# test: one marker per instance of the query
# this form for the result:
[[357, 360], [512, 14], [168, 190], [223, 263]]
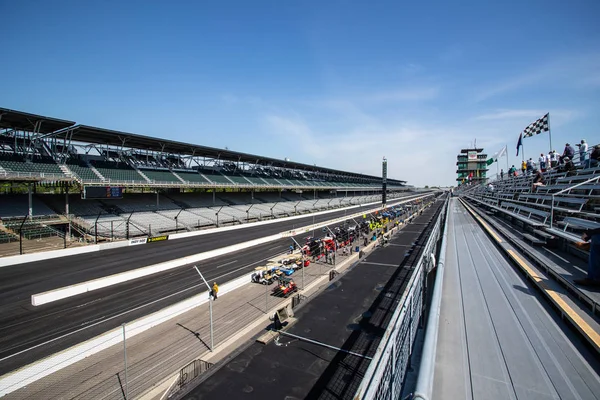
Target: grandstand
[[553, 215], [50, 168]]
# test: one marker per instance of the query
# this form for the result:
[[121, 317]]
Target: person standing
[[568, 152], [583, 148], [542, 161], [553, 159], [529, 165], [523, 167], [593, 274], [215, 290]]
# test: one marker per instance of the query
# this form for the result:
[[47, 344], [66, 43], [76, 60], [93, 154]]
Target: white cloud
[[421, 155], [511, 84], [566, 71], [556, 115]]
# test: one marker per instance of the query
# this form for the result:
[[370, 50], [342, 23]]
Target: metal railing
[[45, 175], [383, 379], [566, 190], [424, 386]]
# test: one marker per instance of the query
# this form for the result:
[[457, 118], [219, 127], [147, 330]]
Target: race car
[[285, 288]]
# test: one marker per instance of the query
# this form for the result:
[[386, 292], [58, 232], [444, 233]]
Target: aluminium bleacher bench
[[577, 202], [575, 223], [516, 213]]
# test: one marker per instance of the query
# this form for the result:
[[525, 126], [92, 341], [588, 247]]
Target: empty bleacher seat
[[160, 176], [117, 172]]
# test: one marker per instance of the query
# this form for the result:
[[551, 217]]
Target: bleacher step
[[543, 234], [532, 239]]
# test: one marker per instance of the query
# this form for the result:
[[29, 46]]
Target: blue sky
[[338, 84]]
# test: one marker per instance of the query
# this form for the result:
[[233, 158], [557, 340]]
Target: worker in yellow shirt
[[215, 290]]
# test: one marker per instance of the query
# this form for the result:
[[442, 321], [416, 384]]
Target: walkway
[[497, 339]]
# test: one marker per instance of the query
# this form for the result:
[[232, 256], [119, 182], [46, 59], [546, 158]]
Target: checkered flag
[[537, 127]]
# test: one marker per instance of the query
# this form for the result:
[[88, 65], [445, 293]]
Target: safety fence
[[386, 373]]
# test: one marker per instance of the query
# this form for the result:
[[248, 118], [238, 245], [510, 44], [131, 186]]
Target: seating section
[[216, 177], [82, 170], [7, 237], [161, 176], [36, 166], [32, 229], [565, 206], [17, 205], [192, 177], [120, 172], [138, 214]]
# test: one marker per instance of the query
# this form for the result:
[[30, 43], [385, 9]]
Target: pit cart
[[285, 288], [263, 276]]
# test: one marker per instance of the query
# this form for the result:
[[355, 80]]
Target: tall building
[[471, 162]]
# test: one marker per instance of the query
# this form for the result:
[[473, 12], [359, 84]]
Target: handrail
[[370, 381], [566, 190], [424, 386]]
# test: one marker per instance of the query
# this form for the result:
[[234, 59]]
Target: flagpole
[[549, 132], [506, 154]]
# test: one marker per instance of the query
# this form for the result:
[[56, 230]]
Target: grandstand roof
[[89, 134], [11, 119]]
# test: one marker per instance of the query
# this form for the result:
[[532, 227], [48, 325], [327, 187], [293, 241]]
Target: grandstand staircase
[[177, 176], [68, 173], [139, 171], [95, 171], [226, 177]]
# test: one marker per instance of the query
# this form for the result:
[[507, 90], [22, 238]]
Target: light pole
[[302, 253], [210, 300]]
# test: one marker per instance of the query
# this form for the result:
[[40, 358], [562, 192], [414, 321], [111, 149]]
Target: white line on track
[[229, 263]]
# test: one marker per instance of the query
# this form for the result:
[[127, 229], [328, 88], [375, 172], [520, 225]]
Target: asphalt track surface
[[29, 333], [352, 314]]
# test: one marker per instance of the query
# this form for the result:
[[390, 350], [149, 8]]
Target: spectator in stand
[[523, 167], [542, 161], [595, 156], [568, 152], [501, 174], [568, 166], [512, 171], [538, 180], [553, 159], [530, 166], [583, 148], [549, 160], [593, 276]]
